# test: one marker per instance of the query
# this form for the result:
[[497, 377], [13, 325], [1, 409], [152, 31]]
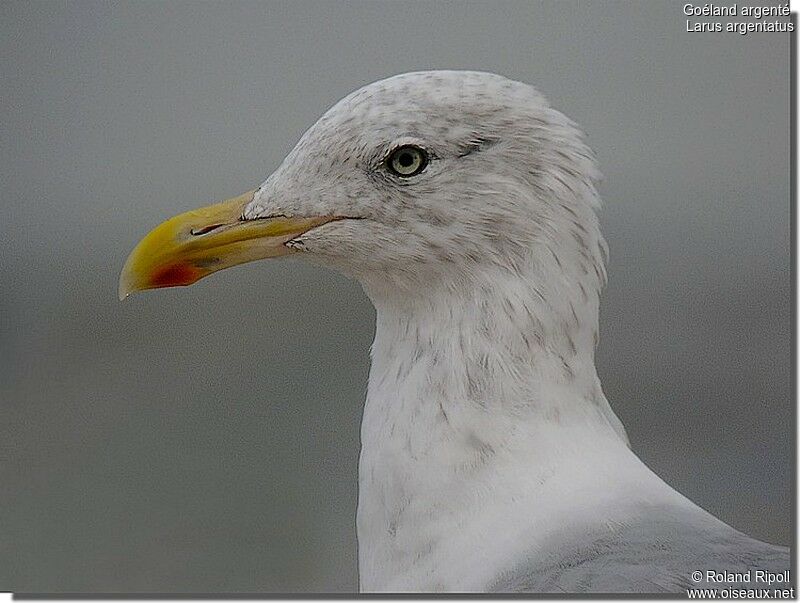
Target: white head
[[417, 184], [442, 175]]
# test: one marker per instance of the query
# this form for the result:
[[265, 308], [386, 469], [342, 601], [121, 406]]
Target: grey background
[[206, 439]]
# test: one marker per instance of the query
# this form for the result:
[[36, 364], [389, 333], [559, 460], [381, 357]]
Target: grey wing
[[654, 554]]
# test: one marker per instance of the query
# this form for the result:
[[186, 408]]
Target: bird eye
[[407, 161]]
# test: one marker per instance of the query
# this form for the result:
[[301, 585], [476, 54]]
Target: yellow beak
[[193, 245]]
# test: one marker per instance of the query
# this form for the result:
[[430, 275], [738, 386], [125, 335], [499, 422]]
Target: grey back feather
[[656, 553]]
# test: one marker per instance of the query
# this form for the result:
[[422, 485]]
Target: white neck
[[462, 387]]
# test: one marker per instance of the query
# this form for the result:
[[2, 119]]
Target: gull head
[[420, 180]]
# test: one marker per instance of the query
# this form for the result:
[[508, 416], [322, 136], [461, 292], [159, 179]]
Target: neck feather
[[459, 380]]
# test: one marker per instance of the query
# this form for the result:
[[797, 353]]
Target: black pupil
[[405, 159]]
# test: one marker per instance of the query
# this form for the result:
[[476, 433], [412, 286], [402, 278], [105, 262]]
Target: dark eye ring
[[407, 161]]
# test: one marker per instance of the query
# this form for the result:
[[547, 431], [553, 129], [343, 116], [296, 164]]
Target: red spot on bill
[[176, 275]]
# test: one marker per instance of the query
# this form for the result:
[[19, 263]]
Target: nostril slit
[[205, 229]]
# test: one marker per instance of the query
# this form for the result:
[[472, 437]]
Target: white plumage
[[490, 457]]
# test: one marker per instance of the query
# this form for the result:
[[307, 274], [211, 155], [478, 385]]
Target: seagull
[[491, 461]]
